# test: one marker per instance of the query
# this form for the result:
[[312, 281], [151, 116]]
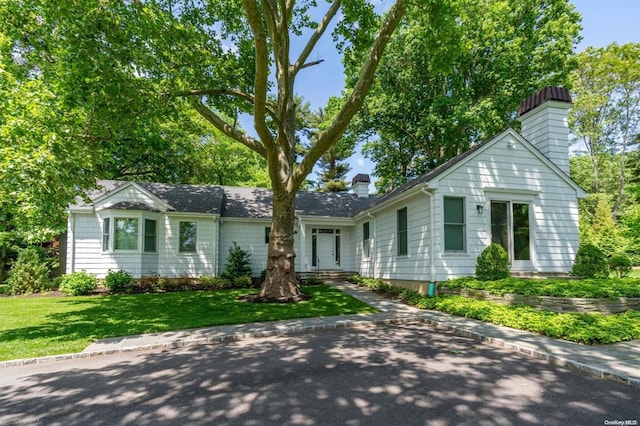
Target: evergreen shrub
[[620, 265], [29, 274], [590, 262], [493, 263], [238, 263]]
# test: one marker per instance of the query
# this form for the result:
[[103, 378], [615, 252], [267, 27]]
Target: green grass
[[635, 273], [590, 288], [39, 326]]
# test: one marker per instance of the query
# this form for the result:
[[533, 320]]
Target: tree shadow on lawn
[[400, 374], [126, 315]]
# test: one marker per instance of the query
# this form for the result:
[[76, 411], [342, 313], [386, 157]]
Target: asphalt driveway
[[407, 374]]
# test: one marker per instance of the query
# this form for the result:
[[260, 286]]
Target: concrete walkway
[[619, 362]]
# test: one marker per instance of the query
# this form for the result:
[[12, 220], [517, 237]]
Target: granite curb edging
[[344, 323]]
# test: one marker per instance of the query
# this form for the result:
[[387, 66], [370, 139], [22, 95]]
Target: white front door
[[325, 248]]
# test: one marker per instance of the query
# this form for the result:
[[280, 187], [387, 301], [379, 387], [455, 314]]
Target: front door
[[510, 228], [325, 248]]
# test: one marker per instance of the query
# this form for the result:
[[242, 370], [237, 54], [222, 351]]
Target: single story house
[[513, 189]]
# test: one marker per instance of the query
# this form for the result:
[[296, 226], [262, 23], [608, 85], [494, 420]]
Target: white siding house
[[513, 190]]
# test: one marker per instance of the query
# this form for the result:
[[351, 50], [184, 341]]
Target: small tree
[[238, 263], [29, 274], [590, 262], [493, 263], [620, 265]]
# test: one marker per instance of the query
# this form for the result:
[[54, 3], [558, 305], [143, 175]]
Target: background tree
[[333, 166], [606, 113], [455, 75], [110, 65]]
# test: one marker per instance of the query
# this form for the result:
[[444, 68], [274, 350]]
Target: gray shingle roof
[[231, 201], [188, 198], [257, 203]]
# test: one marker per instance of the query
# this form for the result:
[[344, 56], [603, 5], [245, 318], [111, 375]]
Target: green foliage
[[575, 327], [605, 115], [29, 274], [119, 281], [493, 263], [590, 262], [206, 282], [78, 283], [242, 282], [555, 287], [581, 328], [620, 265], [434, 99], [597, 226], [238, 263]]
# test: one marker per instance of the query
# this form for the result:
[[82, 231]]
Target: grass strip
[[40, 326]]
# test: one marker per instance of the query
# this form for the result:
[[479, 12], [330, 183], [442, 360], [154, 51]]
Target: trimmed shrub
[[620, 265], [119, 281], [78, 283], [29, 274], [213, 283], [238, 263], [242, 282], [590, 262], [493, 263]]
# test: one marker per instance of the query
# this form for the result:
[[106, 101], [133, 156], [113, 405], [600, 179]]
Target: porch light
[[479, 208]]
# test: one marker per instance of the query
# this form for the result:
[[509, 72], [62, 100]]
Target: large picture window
[[149, 236], [454, 224], [403, 240], [125, 233], [188, 237]]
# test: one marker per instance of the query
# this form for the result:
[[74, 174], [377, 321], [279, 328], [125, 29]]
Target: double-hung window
[[149, 236], [454, 224], [403, 237], [106, 233], [188, 237], [366, 241]]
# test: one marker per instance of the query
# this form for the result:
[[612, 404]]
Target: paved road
[[405, 374]]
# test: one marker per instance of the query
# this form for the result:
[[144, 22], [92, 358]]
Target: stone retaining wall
[[611, 305]]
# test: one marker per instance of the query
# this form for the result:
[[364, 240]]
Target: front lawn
[[39, 326], [590, 288]]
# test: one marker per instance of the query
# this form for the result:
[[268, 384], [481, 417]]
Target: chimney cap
[[361, 177], [547, 94]]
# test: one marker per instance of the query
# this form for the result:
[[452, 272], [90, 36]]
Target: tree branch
[[262, 73], [231, 92], [313, 40], [331, 135], [231, 131]]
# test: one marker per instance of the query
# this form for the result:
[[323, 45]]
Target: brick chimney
[[544, 119], [360, 185]]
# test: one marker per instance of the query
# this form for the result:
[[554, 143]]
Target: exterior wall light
[[479, 208]]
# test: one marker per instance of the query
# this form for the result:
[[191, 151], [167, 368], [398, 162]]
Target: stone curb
[[209, 340], [562, 361], [532, 352]]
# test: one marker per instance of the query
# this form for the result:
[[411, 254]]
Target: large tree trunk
[[281, 284]]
